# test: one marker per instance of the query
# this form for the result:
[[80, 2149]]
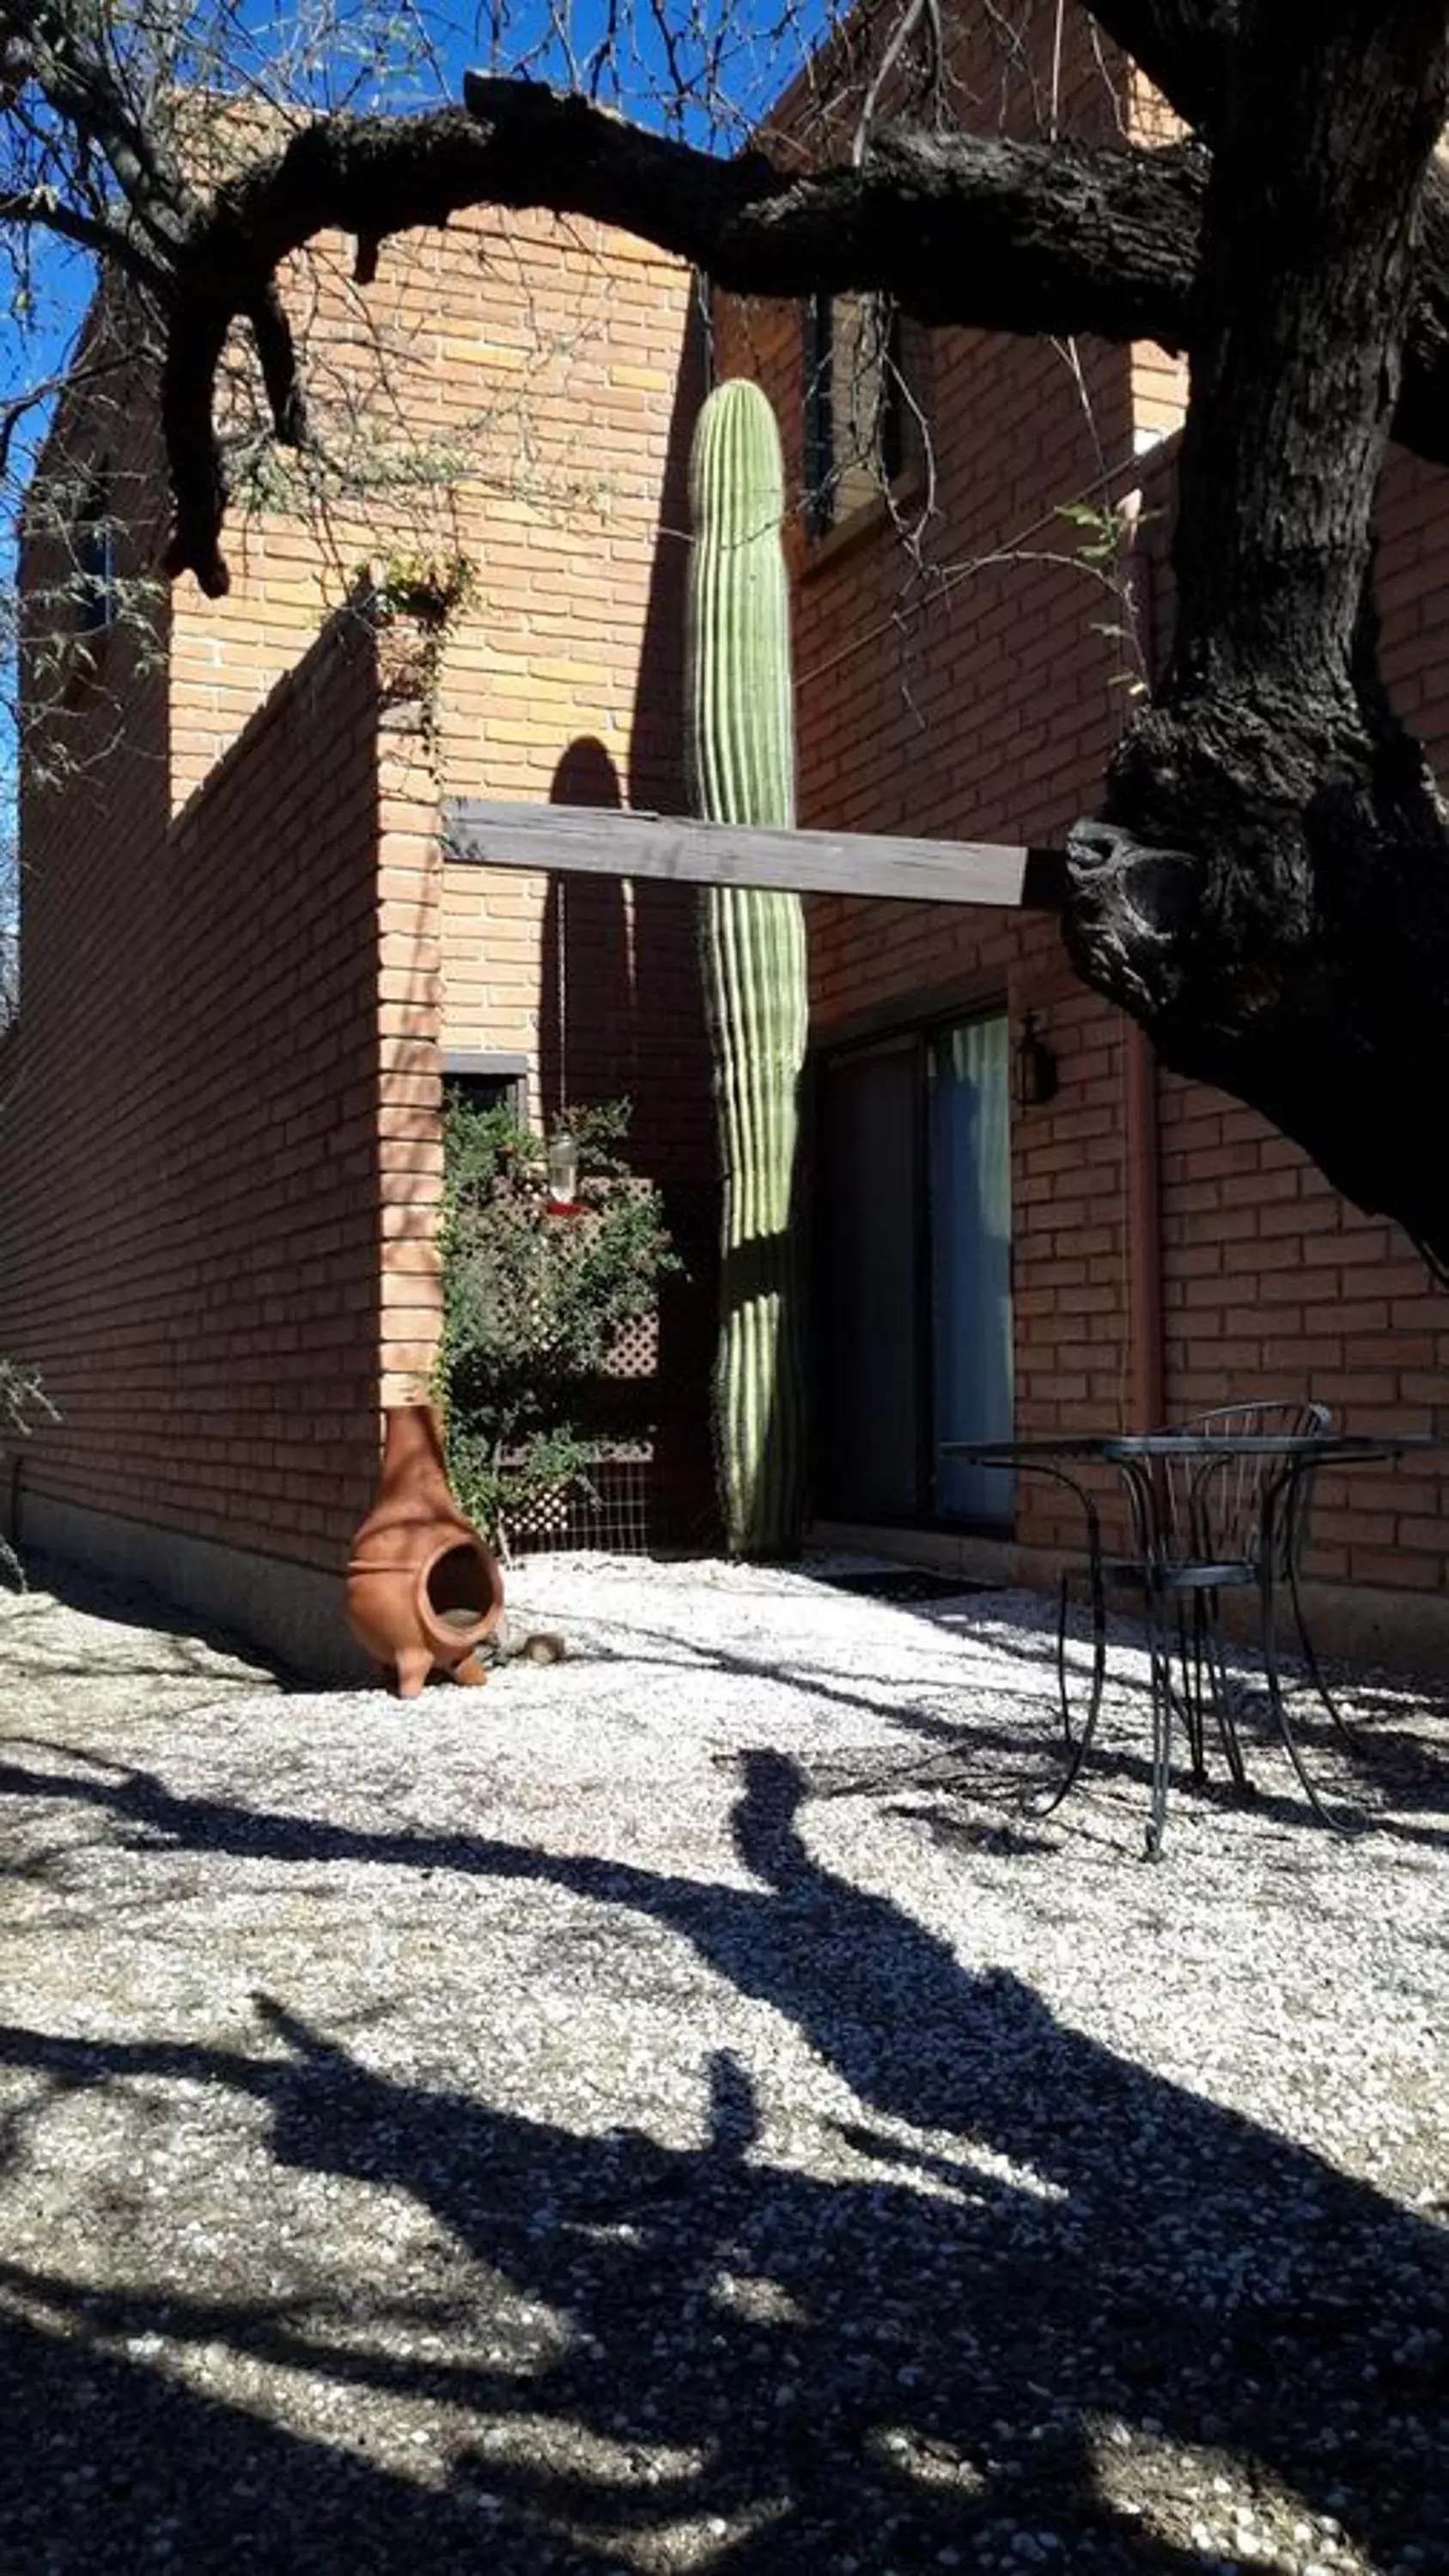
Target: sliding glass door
[[913, 1328]]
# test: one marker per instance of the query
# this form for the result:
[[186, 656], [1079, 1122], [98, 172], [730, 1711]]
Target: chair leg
[[1078, 1745], [1040, 1802], [1315, 1670], [1161, 1669], [1276, 1701], [1189, 1656], [1064, 1594], [1099, 1636], [1222, 1702], [1099, 1652]]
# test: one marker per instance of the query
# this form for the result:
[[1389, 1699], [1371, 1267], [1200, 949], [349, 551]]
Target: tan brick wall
[[546, 363], [192, 1188], [559, 365], [950, 681], [509, 387], [410, 1057]]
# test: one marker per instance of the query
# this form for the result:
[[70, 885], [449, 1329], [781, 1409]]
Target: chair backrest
[[1215, 1506]]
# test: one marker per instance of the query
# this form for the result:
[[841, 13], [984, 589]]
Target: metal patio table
[[1172, 1480]]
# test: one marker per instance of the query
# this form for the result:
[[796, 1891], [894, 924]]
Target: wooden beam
[[601, 841]]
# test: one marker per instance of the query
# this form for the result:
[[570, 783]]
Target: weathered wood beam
[[600, 841]]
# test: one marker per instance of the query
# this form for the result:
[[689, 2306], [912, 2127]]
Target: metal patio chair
[[1204, 1526]]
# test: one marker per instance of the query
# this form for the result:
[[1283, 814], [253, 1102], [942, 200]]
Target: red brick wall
[[192, 1191], [548, 366]]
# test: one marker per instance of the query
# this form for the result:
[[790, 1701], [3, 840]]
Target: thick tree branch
[[1034, 237], [956, 228], [1298, 335], [1187, 49], [277, 358], [998, 235]]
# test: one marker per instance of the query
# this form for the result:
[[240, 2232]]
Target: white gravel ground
[[675, 2110]]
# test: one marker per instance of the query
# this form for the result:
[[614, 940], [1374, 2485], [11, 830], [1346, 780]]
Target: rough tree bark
[[1268, 891]]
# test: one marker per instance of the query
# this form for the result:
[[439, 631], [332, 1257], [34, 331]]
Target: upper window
[[861, 420], [95, 552]]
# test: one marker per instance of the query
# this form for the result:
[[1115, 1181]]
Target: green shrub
[[534, 1304]]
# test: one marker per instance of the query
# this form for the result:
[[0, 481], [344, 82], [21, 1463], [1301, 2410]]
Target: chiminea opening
[[460, 1588]]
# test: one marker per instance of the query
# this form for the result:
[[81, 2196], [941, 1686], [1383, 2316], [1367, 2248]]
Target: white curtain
[[970, 1148]]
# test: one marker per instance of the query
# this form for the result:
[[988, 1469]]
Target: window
[[95, 552], [913, 1328], [487, 1081], [862, 424]]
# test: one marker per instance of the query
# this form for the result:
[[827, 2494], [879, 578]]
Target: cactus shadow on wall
[[622, 1007], [588, 1037]]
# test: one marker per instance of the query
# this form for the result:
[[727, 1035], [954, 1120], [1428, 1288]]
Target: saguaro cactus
[[741, 745]]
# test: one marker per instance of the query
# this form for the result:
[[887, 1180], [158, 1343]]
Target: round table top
[[1112, 1447]]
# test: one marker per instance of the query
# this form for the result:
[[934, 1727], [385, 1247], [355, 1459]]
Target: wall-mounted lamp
[[563, 1173], [1036, 1067]]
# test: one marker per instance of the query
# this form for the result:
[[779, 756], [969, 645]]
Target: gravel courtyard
[[675, 2110]]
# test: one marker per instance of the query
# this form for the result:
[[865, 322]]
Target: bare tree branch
[[45, 42], [13, 412], [980, 231], [40, 209]]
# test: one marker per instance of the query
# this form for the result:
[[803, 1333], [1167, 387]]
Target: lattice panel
[[636, 1352], [616, 1517]]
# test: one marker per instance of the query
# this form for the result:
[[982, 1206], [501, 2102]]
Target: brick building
[[248, 966], [247, 959], [1138, 1247]]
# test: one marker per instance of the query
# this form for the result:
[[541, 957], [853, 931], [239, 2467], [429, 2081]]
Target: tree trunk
[[1268, 889]]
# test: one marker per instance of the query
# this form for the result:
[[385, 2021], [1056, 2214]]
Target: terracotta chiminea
[[422, 1589]]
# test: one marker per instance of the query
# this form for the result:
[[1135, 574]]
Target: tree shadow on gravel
[[859, 1978], [170, 1643], [1013, 1761], [933, 2349], [834, 2372]]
